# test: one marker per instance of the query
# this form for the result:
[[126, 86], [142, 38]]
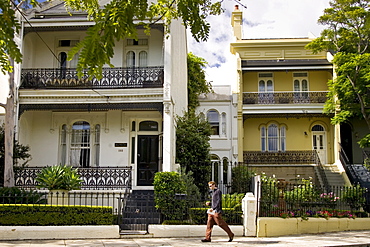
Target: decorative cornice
[[92, 107], [287, 115]]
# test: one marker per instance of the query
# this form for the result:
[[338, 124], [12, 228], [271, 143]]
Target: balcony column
[[168, 132]]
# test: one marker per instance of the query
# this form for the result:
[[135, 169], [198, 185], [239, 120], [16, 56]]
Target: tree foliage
[[116, 20], [21, 154], [192, 146], [119, 19], [9, 25], [348, 36], [197, 83]]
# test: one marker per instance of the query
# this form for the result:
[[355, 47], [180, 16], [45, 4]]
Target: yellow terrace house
[[282, 130]]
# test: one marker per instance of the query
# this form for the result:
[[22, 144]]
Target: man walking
[[215, 212]]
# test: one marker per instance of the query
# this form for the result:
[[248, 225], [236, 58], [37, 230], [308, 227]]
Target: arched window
[[80, 146], [130, 59], [223, 124], [282, 138], [62, 65], [273, 138], [317, 127], [214, 121], [63, 145], [263, 138], [265, 88], [63, 60], [215, 161]]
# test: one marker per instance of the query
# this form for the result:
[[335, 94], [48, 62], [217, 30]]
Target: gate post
[[249, 206]]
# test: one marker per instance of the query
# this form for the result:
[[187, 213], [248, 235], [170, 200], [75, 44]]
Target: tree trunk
[[9, 133]]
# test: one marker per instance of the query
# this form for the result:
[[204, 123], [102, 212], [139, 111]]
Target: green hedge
[[51, 215], [199, 216]]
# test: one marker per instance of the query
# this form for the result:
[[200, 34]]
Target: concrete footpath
[[351, 238]]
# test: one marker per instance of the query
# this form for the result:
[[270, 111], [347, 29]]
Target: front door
[[318, 144], [147, 159]]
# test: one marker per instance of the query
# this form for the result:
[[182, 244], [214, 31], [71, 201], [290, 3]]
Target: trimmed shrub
[[47, 215], [199, 216]]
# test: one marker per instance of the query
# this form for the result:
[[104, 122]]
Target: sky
[[261, 19]]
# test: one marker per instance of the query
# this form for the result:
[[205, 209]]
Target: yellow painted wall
[[295, 137], [283, 81], [272, 226]]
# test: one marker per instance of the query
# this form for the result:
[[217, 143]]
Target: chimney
[[236, 22]]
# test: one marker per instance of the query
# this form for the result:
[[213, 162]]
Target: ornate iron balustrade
[[136, 77], [287, 157], [268, 98], [102, 178]]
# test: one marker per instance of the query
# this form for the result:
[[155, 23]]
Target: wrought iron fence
[[56, 78], [282, 199], [308, 97], [94, 178], [134, 211]]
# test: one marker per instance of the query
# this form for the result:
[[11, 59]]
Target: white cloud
[[261, 19]]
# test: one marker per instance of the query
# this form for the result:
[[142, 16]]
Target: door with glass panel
[[319, 142], [300, 85], [265, 89]]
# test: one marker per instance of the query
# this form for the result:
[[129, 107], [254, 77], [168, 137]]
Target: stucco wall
[[37, 54], [270, 227], [41, 131], [283, 81]]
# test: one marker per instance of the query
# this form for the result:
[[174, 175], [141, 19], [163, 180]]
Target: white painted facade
[[118, 118], [224, 144]]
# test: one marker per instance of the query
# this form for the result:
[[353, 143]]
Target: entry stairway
[[334, 176]]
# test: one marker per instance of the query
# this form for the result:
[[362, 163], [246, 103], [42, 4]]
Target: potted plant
[[58, 180]]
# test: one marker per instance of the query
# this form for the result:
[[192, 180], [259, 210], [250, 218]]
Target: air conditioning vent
[[265, 75], [300, 74]]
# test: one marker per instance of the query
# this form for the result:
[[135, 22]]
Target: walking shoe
[[206, 240], [231, 238]]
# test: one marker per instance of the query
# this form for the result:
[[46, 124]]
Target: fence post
[[249, 206]]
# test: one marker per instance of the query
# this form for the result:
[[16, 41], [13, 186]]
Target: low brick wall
[[271, 226]]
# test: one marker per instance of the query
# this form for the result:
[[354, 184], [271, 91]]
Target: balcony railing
[[94, 178], [287, 157], [268, 98], [136, 77]]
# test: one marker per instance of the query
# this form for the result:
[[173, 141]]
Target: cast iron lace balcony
[[135, 77], [268, 98]]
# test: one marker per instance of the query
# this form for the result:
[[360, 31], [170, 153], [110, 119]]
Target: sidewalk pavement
[[352, 238]]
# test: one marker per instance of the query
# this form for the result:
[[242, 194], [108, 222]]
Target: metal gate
[[138, 211]]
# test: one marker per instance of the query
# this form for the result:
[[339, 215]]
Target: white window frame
[[265, 78], [213, 122], [273, 140], [66, 144], [300, 77], [60, 49], [138, 48]]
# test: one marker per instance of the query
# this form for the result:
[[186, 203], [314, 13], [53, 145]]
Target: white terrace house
[[220, 108], [125, 120]]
